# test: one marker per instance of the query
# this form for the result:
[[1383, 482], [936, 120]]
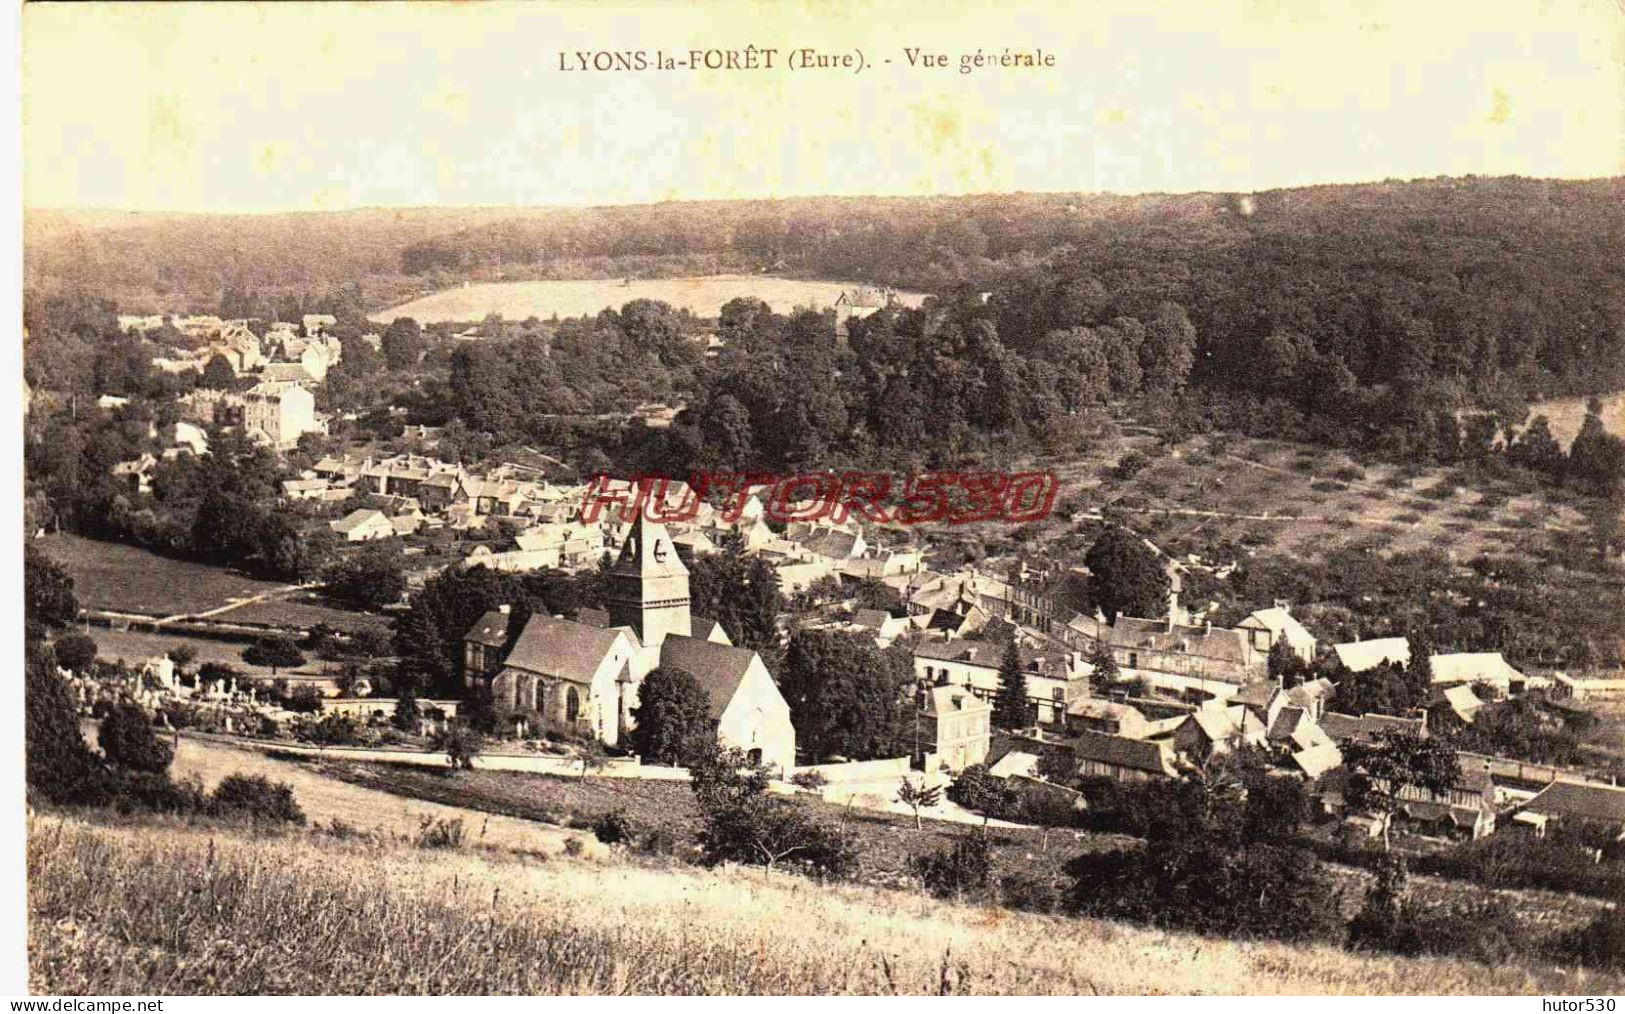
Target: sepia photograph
[[835, 498]]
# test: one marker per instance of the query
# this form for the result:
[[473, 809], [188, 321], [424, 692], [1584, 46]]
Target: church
[[584, 674]]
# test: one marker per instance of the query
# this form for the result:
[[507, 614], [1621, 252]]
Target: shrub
[[573, 846], [304, 699], [439, 833], [1130, 465], [612, 828], [153, 792], [75, 651], [59, 766], [1599, 944], [259, 798], [963, 870], [127, 739], [812, 781], [461, 744]]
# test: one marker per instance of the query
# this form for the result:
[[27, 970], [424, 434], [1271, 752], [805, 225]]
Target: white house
[[1267, 626], [279, 413], [363, 526]]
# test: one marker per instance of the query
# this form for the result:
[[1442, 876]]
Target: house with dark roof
[[1184, 657], [1579, 804], [1364, 728], [955, 727], [749, 712], [1055, 677], [1101, 755]]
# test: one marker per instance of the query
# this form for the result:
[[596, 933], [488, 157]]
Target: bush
[[612, 828], [812, 781], [305, 699], [127, 739], [259, 798], [1208, 886], [147, 792], [461, 744], [1130, 465], [59, 766], [963, 870], [439, 833], [75, 651], [573, 846], [1599, 944]]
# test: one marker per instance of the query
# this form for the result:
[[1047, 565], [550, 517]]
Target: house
[[318, 323], [953, 725], [858, 303], [1365, 728], [1208, 732], [363, 526], [1475, 667], [1096, 714], [279, 414], [885, 627], [1101, 755], [1359, 656], [1055, 678], [750, 713], [1311, 696], [1460, 700], [303, 489], [1180, 657], [484, 644], [137, 472], [1266, 627], [189, 436], [1577, 804]]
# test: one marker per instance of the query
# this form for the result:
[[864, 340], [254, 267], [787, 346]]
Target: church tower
[[648, 586]]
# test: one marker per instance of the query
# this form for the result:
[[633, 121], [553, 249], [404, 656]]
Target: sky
[[251, 107]]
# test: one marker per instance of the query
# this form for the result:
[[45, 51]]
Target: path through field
[[327, 799]]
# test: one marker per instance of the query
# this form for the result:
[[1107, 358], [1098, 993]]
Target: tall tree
[[48, 599], [1011, 709], [1382, 771], [741, 593], [846, 697], [402, 343], [1126, 576], [673, 716]]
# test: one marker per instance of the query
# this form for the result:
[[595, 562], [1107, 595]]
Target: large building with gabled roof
[[584, 675]]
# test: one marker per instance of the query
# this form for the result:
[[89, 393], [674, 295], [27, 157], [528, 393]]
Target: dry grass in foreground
[[163, 908]]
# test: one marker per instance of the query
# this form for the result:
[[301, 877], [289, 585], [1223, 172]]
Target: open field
[[110, 575], [327, 799], [135, 646], [887, 843], [122, 578], [1566, 415], [704, 296], [163, 908]]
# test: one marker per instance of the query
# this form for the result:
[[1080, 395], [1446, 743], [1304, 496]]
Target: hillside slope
[[169, 909]]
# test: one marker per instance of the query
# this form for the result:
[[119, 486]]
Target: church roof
[[562, 648], [648, 551], [720, 668]]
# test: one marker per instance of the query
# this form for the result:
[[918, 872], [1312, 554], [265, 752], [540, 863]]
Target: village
[[1135, 699]]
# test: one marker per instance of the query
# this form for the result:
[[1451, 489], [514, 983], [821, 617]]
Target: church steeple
[[648, 586]]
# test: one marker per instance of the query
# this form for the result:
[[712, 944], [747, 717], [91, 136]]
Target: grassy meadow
[[704, 295], [160, 907]]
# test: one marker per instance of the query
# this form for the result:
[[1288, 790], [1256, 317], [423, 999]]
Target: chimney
[[1284, 606], [504, 609]]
